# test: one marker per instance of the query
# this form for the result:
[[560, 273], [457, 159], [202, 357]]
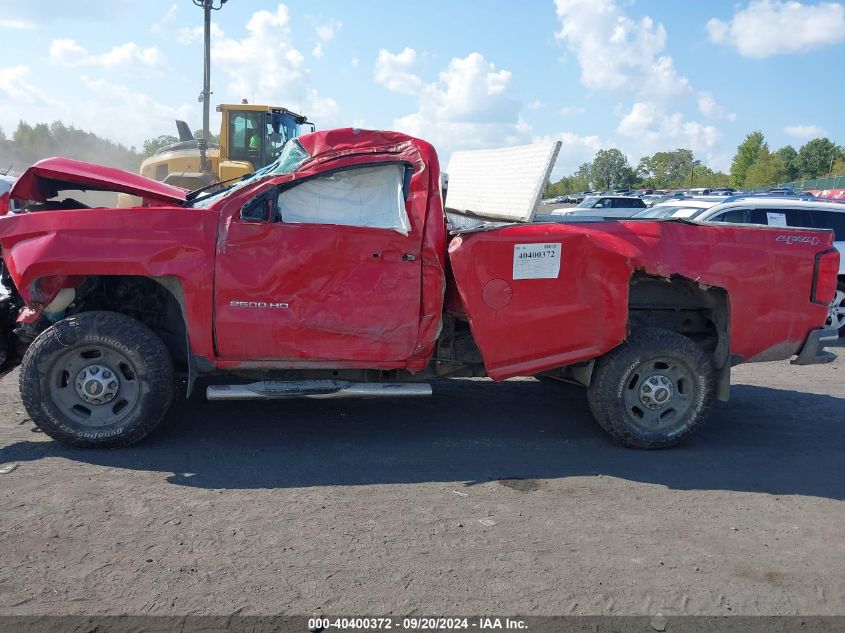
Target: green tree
[[610, 170], [767, 169], [703, 176], [666, 169], [816, 157], [582, 178], [745, 156], [212, 137], [30, 143], [790, 160], [152, 145]]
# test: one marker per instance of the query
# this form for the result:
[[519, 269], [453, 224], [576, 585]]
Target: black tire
[[653, 391], [140, 367]]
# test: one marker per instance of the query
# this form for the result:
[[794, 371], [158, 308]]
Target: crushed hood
[[51, 175]]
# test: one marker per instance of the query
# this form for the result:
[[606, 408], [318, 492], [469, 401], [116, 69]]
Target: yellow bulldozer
[[251, 137]]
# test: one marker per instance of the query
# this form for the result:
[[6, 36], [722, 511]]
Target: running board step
[[320, 389]]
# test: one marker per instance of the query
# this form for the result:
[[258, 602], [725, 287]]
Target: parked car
[[681, 208], [790, 211], [654, 198], [603, 207]]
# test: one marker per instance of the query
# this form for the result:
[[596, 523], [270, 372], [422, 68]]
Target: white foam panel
[[500, 184]]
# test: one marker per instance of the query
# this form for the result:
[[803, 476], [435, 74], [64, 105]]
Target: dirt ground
[[486, 498]]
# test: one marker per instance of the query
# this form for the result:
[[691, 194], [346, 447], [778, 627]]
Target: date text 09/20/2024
[[416, 623]]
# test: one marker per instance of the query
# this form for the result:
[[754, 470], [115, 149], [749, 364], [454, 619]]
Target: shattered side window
[[370, 197]]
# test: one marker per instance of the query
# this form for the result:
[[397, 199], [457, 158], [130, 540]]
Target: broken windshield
[[290, 159]]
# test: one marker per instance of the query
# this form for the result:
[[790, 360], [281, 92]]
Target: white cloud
[[571, 110], [771, 27], [712, 109], [574, 150], [127, 57], [536, 104], [651, 129], [165, 21], [326, 32], [266, 67], [394, 71], [15, 85], [805, 131], [190, 34], [616, 52], [119, 113], [107, 109], [354, 62], [17, 25], [628, 56], [469, 106]]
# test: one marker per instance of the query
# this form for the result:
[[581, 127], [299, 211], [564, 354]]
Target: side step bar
[[320, 389]]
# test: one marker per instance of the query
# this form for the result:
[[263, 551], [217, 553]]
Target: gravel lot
[[485, 498]]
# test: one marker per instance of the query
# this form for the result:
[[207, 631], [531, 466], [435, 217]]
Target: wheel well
[[156, 302], [677, 303]]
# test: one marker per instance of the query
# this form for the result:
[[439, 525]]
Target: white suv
[[789, 211]]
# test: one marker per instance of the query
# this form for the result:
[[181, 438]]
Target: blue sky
[[641, 75]]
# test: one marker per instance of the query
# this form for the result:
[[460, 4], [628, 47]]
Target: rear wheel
[[653, 391], [837, 309], [97, 380]]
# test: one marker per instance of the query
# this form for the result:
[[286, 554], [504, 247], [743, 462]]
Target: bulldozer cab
[[254, 136], [251, 137]]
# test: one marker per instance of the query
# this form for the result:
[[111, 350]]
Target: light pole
[[692, 171], [205, 95]]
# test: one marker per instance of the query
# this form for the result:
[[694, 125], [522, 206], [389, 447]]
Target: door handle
[[409, 257]]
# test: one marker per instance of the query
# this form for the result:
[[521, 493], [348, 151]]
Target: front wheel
[[653, 391], [97, 380]]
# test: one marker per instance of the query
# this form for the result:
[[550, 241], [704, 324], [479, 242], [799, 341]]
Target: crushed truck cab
[[333, 273]]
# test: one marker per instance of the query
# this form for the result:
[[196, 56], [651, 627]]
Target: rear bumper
[[813, 351]]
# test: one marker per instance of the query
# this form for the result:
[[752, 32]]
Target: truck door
[[332, 272]]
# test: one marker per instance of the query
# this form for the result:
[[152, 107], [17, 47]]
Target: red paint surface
[[583, 313], [45, 173], [153, 242], [350, 309]]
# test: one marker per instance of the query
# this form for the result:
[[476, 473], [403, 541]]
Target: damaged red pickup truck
[[331, 273]]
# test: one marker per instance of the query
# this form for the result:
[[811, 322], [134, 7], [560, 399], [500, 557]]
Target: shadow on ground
[[764, 440]]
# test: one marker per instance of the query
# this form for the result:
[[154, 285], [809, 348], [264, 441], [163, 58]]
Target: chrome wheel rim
[[659, 393], [95, 385], [836, 316]]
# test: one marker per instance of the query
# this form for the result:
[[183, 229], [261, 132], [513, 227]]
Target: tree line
[[30, 143], [753, 166]]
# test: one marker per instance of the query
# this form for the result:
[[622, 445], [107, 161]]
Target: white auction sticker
[[776, 219], [536, 261]]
